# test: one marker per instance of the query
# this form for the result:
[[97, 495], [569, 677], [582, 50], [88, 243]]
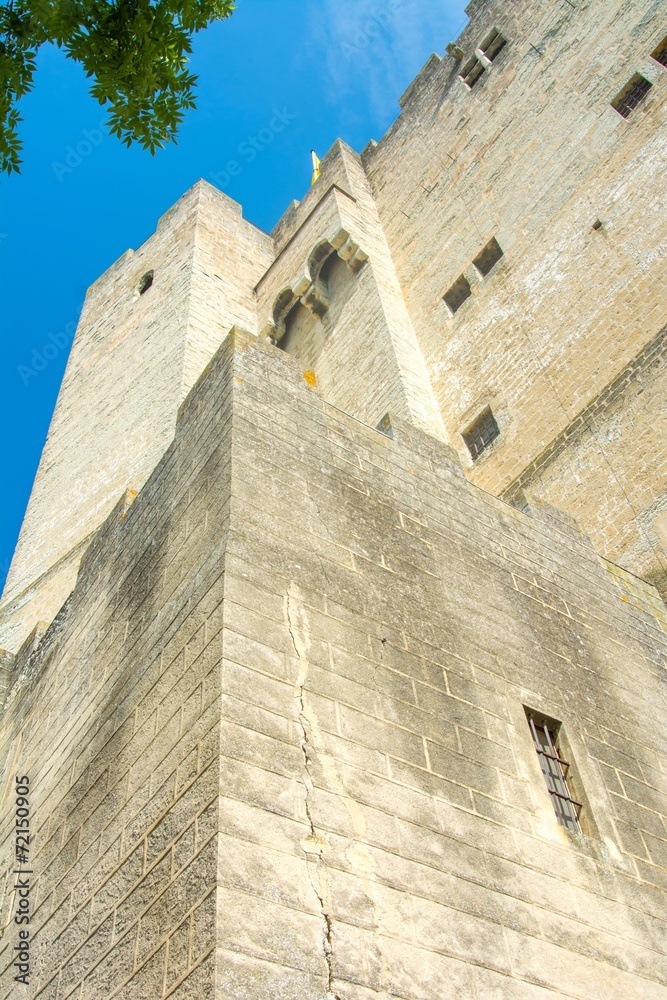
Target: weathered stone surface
[[317, 768], [269, 679]]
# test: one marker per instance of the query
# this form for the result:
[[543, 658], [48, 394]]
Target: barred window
[[660, 52], [632, 94], [481, 433], [554, 768]]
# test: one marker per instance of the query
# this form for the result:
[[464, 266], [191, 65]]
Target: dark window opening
[[597, 224], [554, 768], [660, 52], [457, 294], [492, 45], [481, 433], [489, 257], [145, 282], [632, 94], [471, 72]]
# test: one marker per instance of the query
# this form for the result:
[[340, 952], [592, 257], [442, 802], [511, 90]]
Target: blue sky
[[335, 68]]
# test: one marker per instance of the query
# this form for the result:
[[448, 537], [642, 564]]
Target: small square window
[[489, 257], [632, 94], [660, 52], [481, 433], [493, 44], [146, 282], [545, 734], [471, 72], [457, 294]]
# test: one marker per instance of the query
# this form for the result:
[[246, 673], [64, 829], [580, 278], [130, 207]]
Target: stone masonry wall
[[133, 360], [292, 757], [369, 359], [533, 156], [116, 719], [392, 621], [615, 445]]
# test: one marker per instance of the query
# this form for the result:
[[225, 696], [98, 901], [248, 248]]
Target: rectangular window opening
[[456, 295], [489, 257], [493, 44], [471, 72], [632, 94], [545, 733], [660, 52], [481, 433]]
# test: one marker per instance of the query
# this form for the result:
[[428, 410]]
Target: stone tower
[[335, 663]]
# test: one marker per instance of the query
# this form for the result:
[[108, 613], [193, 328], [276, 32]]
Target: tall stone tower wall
[[277, 719], [277, 739], [567, 330], [134, 358], [363, 349]]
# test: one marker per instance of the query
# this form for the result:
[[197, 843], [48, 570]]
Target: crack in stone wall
[[357, 854], [317, 841]]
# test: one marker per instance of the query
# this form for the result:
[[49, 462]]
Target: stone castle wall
[[534, 155], [292, 757], [134, 359], [275, 635]]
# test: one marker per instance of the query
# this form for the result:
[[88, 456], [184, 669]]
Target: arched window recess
[[311, 290]]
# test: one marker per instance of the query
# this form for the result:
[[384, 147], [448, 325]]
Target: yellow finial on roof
[[316, 166]]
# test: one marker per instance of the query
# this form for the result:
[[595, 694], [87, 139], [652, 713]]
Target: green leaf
[[134, 51]]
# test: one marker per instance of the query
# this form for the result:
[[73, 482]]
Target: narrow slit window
[[146, 282], [471, 72], [555, 768], [481, 433], [456, 295], [632, 94], [493, 44], [489, 257], [660, 52]]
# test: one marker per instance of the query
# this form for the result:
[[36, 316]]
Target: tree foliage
[[135, 52]]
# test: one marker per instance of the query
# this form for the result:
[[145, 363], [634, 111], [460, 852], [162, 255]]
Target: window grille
[[492, 45], [471, 72], [554, 769], [481, 433], [632, 94], [660, 52]]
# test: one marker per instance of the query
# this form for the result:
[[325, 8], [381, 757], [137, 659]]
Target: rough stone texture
[[273, 639], [613, 451], [134, 359], [292, 756], [364, 375], [534, 155]]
